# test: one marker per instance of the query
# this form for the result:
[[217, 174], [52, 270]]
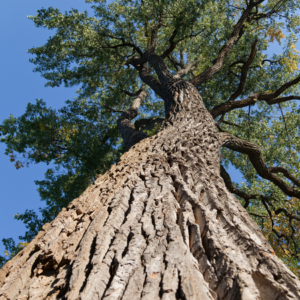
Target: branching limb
[[235, 36], [254, 153], [150, 80], [232, 189], [113, 110], [244, 71], [135, 94], [181, 73], [248, 197], [275, 10], [154, 34], [123, 44], [140, 64], [129, 134], [283, 88], [159, 66], [268, 98], [173, 43], [286, 173], [283, 235], [282, 99], [173, 62]]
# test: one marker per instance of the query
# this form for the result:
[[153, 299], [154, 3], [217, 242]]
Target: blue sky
[[19, 85]]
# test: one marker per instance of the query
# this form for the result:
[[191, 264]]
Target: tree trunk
[[158, 225]]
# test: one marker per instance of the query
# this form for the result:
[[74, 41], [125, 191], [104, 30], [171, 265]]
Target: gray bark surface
[[160, 224]]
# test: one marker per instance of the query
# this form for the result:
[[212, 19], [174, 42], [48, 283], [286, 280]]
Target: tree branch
[[181, 73], [173, 62], [286, 173], [129, 134], [173, 44], [154, 33], [229, 123], [232, 189], [135, 94], [235, 36], [248, 197], [254, 153], [124, 44], [160, 67], [268, 98], [113, 110], [244, 71], [150, 80]]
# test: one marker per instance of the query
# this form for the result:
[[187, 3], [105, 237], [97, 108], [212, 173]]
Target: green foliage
[[78, 141], [81, 140], [11, 249], [154, 130]]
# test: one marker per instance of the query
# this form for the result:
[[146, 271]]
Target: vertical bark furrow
[[83, 254], [101, 261], [129, 244], [153, 256]]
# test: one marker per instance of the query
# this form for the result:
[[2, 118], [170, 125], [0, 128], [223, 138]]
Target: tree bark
[[158, 225]]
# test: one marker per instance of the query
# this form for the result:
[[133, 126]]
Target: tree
[[162, 222]]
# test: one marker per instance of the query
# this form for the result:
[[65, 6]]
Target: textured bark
[[160, 224]]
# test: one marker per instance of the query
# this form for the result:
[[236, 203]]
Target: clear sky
[[19, 85]]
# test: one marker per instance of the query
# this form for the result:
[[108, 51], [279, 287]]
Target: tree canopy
[[219, 46]]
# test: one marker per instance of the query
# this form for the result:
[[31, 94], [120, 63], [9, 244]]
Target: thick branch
[[173, 44], [135, 94], [154, 33], [140, 64], [229, 106], [232, 189], [229, 123], [235, 35], [257, 16], [254, 153], [283, 88], [244, 71], [150, 80], [286, 173], [181, 73], [160, 67], [129, 134], [174, 62]]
